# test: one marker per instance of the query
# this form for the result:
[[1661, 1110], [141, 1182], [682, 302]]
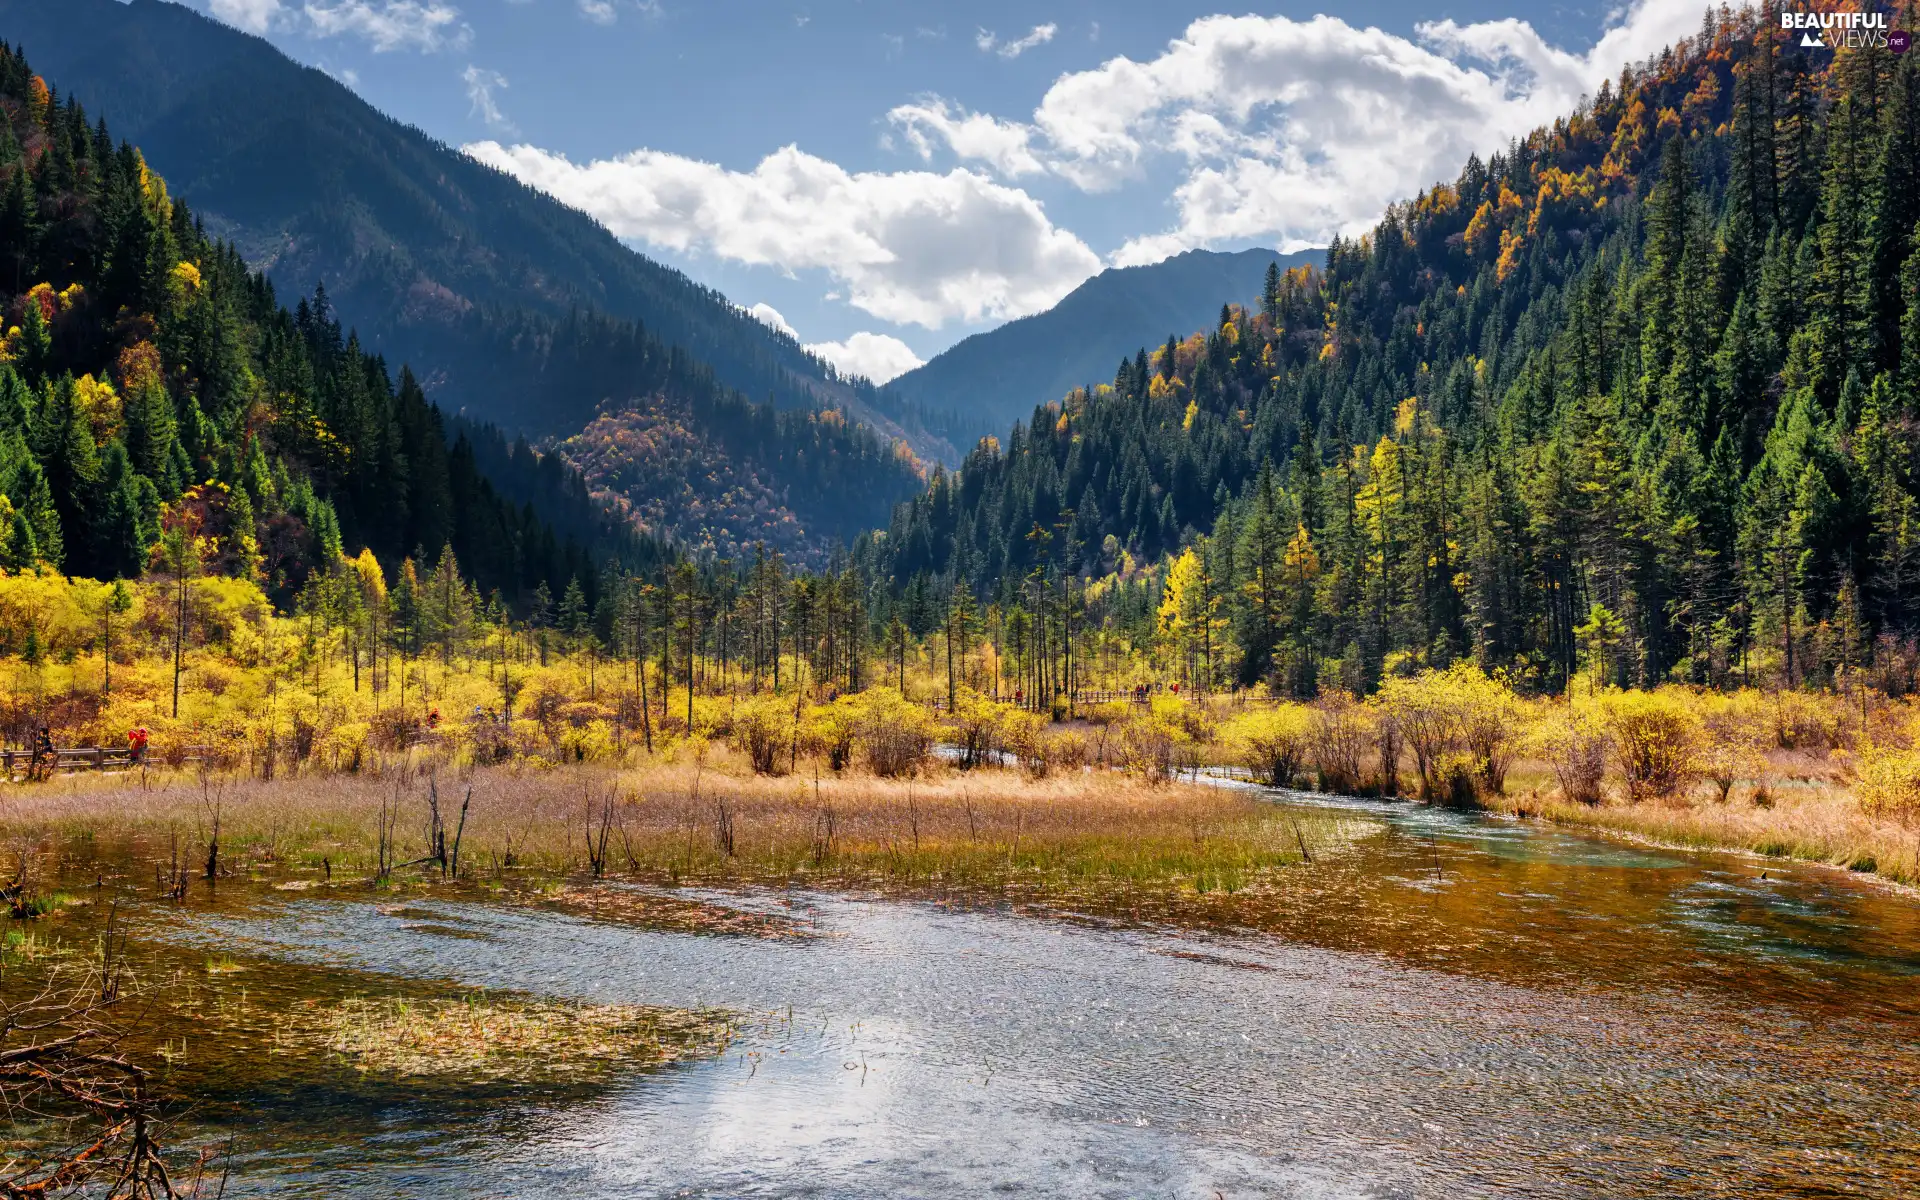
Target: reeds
[[714, 820]]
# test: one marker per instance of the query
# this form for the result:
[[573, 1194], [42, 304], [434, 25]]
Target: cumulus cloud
[[913, 246], [1040, 35], [424, 25], [1294, 131], [254, 16], [878, 356], [1002, 145], [770, 316], [481, 86]]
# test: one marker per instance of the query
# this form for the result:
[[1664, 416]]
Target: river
[[1453, 1005]]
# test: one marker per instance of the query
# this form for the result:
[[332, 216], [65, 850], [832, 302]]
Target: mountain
[[511, 308], [1638, 396], [159, 407], [992, 379]]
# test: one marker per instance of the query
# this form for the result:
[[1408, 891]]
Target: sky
[[883, 178]]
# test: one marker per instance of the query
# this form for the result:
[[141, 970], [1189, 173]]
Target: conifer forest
[[499, 695]]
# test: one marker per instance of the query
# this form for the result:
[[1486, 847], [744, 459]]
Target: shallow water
[[1453, 1005]]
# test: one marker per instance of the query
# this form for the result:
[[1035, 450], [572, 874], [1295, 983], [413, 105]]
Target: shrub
[[1657, 737], [979, 726], [1575, 743], [1338, 747], [1068, 749], [1272, 743], [1150, 745], [1440, 713], [1492, 723], [1024, 735], [1807, 721], [1732, 727], [1889, 784], [832, 730], [1193, 720], [763, 729], [896, 735]]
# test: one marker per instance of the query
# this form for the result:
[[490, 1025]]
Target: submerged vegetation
[[483, 1037]]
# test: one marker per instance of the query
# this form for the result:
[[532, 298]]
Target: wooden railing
[[69, 759]]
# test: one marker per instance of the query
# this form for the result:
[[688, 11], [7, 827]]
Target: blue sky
[[888, 177]]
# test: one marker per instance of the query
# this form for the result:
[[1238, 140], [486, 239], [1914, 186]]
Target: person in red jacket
[[137, 744]]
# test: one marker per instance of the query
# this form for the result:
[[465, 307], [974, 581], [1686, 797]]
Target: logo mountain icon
[[1807, 39]]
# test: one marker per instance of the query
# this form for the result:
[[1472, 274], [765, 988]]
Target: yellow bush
[[1192, 719], [1151, 745], [897, 736], [1733, 727], [1342, 733], [1575, 742], [762, 728], [1888, 785], [1273, 743], [1657, 738], [830, 730], [1808, 721], [979, 726], [1024, 734], [1450, 718], [1068, 749]]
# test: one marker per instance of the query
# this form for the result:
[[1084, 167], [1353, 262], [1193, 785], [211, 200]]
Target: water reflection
[[1451, 1005]]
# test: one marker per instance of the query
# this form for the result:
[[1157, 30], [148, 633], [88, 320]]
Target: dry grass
[[478, 1037], [706, 818], [1817, 820]]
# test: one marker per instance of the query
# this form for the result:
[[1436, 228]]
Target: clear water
[[1457, 1006]]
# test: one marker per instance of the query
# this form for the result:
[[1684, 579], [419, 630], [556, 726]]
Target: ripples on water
[[1455, 1006]]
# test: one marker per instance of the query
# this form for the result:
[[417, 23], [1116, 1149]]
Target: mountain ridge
[[993, 378], [290, 181]]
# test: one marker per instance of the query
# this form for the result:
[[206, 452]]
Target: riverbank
[[1811, 820], [705, 820]]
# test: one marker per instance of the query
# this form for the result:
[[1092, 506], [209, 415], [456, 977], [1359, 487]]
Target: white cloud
[[1293, 131], [1299, 130], [909, 246], [768, 315], [254, 16], [1040, 35], [1003, 145], [424, 25], [878, 356], [481, 86], [606, 12]]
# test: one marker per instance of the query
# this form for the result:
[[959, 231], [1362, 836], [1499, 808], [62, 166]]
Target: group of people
[[46, 758]]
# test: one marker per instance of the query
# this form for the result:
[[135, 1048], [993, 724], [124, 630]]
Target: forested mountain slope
[[407, 234], [513, 309], [157, 403], [992, 379], [1644, 387]]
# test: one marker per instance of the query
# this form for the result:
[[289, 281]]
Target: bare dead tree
[[599, 828], [212, 807], [62, 1067], [173, 876], [388, 821]]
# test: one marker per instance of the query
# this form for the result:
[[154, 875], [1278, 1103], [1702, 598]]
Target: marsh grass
[[708, 819], [484, 1037], [1813, 820]]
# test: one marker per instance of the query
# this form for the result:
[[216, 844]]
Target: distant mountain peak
[[992, 379]]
